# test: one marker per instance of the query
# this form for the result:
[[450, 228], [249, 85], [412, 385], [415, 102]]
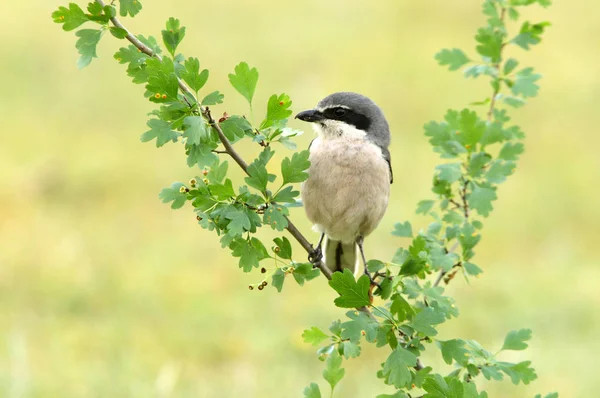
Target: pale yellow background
[[106, 292]]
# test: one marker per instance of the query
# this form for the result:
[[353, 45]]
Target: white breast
[[347, 191]]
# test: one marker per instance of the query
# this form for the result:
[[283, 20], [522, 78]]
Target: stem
[[463, 191]]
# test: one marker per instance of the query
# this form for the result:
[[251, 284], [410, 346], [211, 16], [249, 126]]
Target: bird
[[347, 190]]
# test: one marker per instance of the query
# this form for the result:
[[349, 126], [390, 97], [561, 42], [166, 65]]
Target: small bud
[[281, 103], [183, 189], [468, 146], [276, 249], [198, 218], [362, 332], [204, 172], [263, 270], [193, 182], [260, 287], [119, 60], [164, 96], [157, 95], [457, 132], [250, 287], [264, 283], [205, 180]]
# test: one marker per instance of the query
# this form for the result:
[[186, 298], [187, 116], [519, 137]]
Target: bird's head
[[348, 115]]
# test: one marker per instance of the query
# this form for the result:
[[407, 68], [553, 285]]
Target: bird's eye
[[339, 112]]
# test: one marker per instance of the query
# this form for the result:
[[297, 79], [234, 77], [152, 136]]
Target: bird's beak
[[311, 115]]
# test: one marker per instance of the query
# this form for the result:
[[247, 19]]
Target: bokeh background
[[106, 292]]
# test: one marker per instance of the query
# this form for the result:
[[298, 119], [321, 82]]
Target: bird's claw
[[373, 281], [315, 256]]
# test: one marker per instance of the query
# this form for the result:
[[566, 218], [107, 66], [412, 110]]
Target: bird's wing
[[388, 159]]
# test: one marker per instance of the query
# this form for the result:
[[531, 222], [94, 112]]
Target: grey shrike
[[346, 193]]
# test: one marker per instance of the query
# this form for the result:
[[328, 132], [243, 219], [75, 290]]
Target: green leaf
[[520, 372], [195, 130], [286, 195], [524, 84], [498, 171], [401, 308], [481, 199], [239, 221], [530, 34], [173, 35], [312, 391], [293, 170], [258, 177], [278, 279], [454, 350], [201, 155], [160, 130], [396, 367], [397, 394], [515, 102], [423, 321], [454, 58], [510, 65], [119, 33], [235, 127], [162, 82], [472, 269], [250, 252], [222, 191], [314, 336], [425, 206], [244, 80], [213, 98], [511, 151], [86, 45], [275, 216], [490, 43], [471, 127], [192, 75], [358, 324], [349, 349], [305, 272], [284, 247], [333, 372], [174, 194], [71, 17], [131, 7], [552, 395], [449, 172], [277, 110], [352, 293], [515, 340], [402, 229], [132, 56]]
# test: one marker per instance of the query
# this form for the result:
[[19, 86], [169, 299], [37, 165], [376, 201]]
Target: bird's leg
[[316, 255], [359, 241]]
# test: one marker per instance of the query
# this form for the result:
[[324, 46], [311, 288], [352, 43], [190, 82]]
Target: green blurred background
[[106, 292]]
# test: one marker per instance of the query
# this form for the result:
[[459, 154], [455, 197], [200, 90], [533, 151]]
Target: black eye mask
[[359, 121]]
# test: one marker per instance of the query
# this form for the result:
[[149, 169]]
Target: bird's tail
[[339, 256]]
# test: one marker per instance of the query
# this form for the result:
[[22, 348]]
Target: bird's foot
[[315, 256], [374, 283]]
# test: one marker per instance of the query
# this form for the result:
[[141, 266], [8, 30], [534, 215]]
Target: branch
[[228, 147], [463, 191]]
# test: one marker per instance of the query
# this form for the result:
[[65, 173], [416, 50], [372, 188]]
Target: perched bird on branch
[[347, 191]]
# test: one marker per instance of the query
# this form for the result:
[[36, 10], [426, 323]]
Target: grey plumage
[[346, 193]]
